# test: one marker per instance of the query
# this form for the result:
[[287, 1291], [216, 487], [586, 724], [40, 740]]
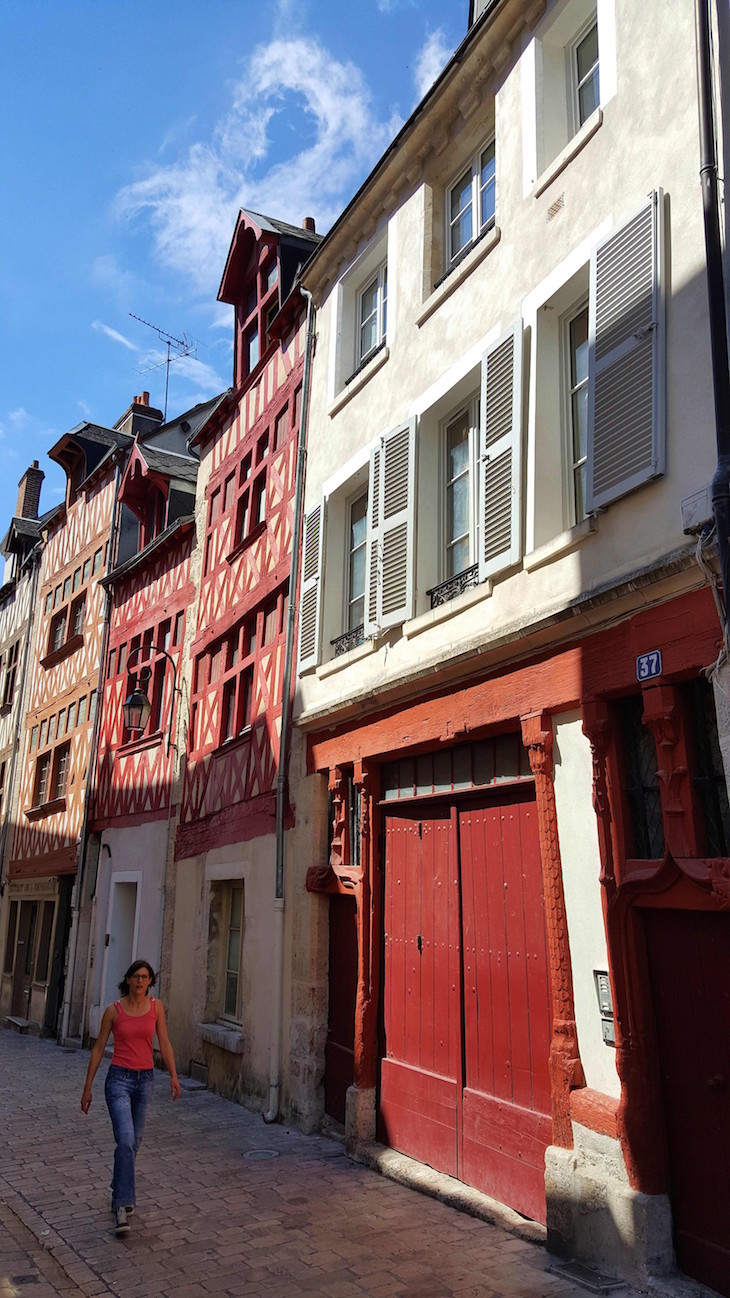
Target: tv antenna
[[185, 346]]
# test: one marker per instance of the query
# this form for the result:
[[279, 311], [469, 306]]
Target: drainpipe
[[73, 939], [21, 714], [286, 710], [716, 297]]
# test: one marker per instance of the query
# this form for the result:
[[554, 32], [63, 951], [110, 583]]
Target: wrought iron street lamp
[[136, 709]]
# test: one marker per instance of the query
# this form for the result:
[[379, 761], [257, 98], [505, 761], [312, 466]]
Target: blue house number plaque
[[648, 665]]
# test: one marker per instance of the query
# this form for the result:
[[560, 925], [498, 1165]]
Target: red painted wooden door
[[421, 1071], [464, 1077], [339, 1052], [689, 957], [506, 1107]]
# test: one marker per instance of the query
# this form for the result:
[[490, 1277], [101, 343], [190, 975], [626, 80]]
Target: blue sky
[[133, 132]]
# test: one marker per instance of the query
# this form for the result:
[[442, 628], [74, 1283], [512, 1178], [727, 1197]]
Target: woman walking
[[133, 1021]]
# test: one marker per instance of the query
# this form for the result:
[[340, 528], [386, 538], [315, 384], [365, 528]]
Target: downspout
[[21, 714], [272, 1112], [73, 938], [716, 298]]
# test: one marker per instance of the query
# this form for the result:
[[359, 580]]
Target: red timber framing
[[594, 674], [229, 792], [135, 771]]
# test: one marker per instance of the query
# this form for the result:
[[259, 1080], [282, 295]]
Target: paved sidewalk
[[225, 1206]]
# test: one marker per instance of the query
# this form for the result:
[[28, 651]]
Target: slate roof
[[170, 464], [270, 224]]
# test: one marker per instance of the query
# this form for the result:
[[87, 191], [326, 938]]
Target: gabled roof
[[297, 243], [170, 463], [92, 441], [273, 226]]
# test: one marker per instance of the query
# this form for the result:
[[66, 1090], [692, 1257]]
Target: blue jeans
[[128, 1092]]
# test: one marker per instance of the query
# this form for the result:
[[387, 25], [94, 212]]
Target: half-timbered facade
[[59, 723], [221, 970], [25, 962], [511, 748], [135, 806]]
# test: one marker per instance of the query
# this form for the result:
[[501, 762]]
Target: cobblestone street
[[225, 1205]]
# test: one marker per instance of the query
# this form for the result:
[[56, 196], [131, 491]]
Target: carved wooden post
[[661, 716], [566, 1071], [366, 1044], [339, 817], [639, 1127]]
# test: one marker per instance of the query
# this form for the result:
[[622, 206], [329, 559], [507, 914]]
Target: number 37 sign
[[648, 665]]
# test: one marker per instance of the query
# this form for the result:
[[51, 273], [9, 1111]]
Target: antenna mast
[[185, 346]]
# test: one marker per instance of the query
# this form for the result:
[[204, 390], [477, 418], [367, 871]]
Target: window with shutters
[[573, 53], [11, 673], [598, 380]]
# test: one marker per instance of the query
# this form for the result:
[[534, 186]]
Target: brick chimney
[[309, 225], [141, 417], [29, 492]]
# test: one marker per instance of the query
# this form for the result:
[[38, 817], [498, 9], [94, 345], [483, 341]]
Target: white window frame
[[349, 599], [572, 72], [471, 407], [380, 279], [570, 463], [232, 885], [476, 192]]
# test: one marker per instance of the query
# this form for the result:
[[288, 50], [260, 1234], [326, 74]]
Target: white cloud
[[431, 60], [111, 278], [114, 335], [85, 410], [337, 136]]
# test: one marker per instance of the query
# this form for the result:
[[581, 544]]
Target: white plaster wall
[[579, 854], [650, 126], [132, 849]]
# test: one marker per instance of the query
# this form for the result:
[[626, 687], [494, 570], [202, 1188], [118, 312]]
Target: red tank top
[[133, 1035]]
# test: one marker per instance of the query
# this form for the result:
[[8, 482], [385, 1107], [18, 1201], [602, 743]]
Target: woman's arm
[[97, 1054], [168, 1058]]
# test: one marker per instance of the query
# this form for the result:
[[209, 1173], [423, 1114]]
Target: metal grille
[[349, 640], [642, 790], [467, 766], [453, 586], [709, 776]]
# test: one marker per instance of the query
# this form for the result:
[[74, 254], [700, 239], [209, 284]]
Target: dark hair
[[135, 965]]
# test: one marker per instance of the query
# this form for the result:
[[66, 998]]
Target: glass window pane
[[231, 997], [587, 52], [358, 521], [579, 348], [369, 300], [252, 349], [357, 613], [487, 185], [357, 573], [236, 912], [459, 508]]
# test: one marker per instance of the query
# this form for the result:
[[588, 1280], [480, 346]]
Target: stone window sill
[[435, 616], [226, 1038], [372, 367], [560, 545], [566, 155], [460, 272]]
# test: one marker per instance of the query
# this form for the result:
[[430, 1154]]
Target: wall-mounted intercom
[[605, 1006]]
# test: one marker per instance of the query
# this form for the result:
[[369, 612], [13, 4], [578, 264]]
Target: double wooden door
[[464, 1082]]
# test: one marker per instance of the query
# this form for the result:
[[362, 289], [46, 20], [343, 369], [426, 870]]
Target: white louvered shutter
[[500, 460], [391, 529], [372, 545], [310, 602], [626, 444]]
